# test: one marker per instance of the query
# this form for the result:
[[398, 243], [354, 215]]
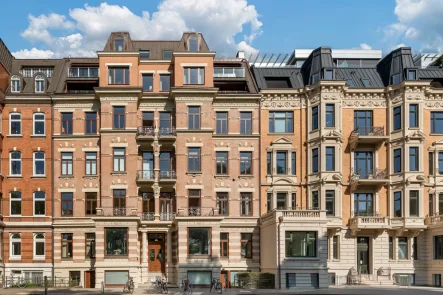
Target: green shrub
[[256, 280]]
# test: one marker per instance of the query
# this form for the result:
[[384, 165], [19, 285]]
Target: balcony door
[[148, 165], [363, 204], [363, 164], [166, 205], [165, 123], [166, 165], [363, 121]]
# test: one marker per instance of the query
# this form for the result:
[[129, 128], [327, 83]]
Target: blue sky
[[61, 28]]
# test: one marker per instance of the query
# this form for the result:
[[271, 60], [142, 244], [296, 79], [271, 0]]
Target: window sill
[[119, 173], [281, 133], [38, 176], [67, 258], [38, 135], [197, 256], [246, 175], [14, 135], [15, 258], [38, 258], [116, 256], [14, 176], [221, 176], [196, 173], [66, 176], [414, 128], [91, 176], [436, 134], [303, 258]]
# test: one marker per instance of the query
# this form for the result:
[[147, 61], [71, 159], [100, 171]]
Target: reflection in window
[[199, 241], [301, 244], [116, 241]]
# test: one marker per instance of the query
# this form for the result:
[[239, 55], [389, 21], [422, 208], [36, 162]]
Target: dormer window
[[15, 84], [412, 75], [119, 43], [350, 83], [314, 78], [193, 43], [366, 82], [39, 84], [329, 75], [395, 79]]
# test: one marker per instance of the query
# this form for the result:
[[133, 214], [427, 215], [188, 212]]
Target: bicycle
[[129, 286], [185, 287], [161, 285], [216, 285]]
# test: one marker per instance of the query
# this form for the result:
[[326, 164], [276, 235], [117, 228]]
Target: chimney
[[240, 54]]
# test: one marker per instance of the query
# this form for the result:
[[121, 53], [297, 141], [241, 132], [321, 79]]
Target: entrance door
[[156, 253], [363, 255], [224, 278], [89, 279]]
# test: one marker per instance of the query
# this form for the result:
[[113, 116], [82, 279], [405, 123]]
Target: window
[[194, 199], [294, 201], [91, 123], [431, 204], [395, 79], [16, 245], [335, 247], [315, 205], [194, 160], [363, 122], [39, 124], [412, 74], [301, 243], [281, 163], [165, 82], [167, 54], [269, 201], [194, 118], [402, 248], [413, 203], [245, 122], [314, 160], [91, 163], [431, 163], [222, 203], [39, 164], [119, 117], [246, 204], [15, 84], [39, 84], [269, 163], [438, 247], [437, 122], [350, 83], [363, 204], [148, 119], [329, 74], [30, 72], [293, 162], [224, 245], [440, 202], [397, 118], [39, 245], [330, 158], [119, 202], [330, 115], [391, 248], [221, 123], [193, 43], [15, 163], [66, 245], [116, 241], [194, 76], [15, 121], [165, 123], [397, 204], [246, 163], [314, 78], [199, 241], [281, 122], [413, 159], [90, 245], [119, 160], [222, 163], [91, 203], [39, 203], [67, 164], [415, 248], [281, 201], [16, 203], [119, 43], [147, 80], [67, 204], [291, 280], [144, 54], [366, 82], [440, 163], [315, 118], [278, 82], [397, 161], [246, 245], [413, 115], [330, 203], [67, 123], [118, 75]]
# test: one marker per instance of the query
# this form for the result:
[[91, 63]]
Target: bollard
[[46, 285]]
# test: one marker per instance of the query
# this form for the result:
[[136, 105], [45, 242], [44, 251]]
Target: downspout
[[52, 184]]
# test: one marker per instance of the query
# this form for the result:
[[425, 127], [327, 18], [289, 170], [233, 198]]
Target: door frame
[[228, 273], [85, 273], [369, 253], [163, 247]]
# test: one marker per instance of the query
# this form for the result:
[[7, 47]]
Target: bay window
[[116, 241], [199, 241], [301, 243]]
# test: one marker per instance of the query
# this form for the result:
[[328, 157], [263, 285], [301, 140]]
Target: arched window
[[193, 43], [39, 245], [16, 245], [15, 84], [39, 84], [119, 43]]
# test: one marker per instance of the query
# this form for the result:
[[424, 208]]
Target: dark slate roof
[[316, 61], [430, 73], [293, 74], [64, 72], [5, 56], [156, 48], [387, 67], [357, 74]]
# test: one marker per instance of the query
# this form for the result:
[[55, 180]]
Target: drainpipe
[[278, 250], [52, 183]]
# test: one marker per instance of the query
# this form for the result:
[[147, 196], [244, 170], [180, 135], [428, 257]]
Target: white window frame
[[39, 79], [38, 120], [15, 240], [38, 200], [15, 80], [15, 120], [39, 240], [10, 204], [10, 163], [34, 162]]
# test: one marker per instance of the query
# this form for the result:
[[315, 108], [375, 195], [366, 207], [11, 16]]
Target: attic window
[[119, 43], [329, 75], [167, 54], [39, 84], [412, 75], [277, 82], [15, 84], [314, 78], [350, 83], [366, 82], [395, 79], [193, 43], [145, 54]]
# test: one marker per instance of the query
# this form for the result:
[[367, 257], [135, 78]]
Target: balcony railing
[[197, 211], [365, 173], [295, 214], [116, 211], [434, 219], [145, 175], [148, 216], [368, 222], [167, 216], [167, 174], [370, 131], [229, 72], [145, 131], [83, 72], [167, 131]]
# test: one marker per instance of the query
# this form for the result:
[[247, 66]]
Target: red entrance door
[[156, 253]]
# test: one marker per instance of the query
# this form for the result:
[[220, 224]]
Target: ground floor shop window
[[200, 277], [199, 241], [301, 244], [116, 241], [116, 278], [290, 280], [74, 278]]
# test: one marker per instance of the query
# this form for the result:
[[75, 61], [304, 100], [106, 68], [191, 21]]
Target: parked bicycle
[[129, 286], [15, 282], [185, 287], [216, 285], [161, 285]]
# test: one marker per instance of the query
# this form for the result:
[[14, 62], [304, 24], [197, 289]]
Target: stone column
[[169, 266], [156, 189], [144, 266], [274, 199]]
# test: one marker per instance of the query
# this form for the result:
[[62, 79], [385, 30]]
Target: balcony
[[81, 72], [432, 220], [367, 135], [167, 175], [148, 216], [368, 177], [145, 175], [368, 222], [295, 214], [402, 224], [167, 132], [197, 212], [145, 132], [116, 211], [164, 216], [229, 72]]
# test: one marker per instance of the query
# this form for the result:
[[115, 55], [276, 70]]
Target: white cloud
[[33, 53], [365, 46], [88, 28], [420, 22], [398, 46]]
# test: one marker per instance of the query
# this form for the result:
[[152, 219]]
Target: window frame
[[406, 244], [126, 75], [224, 245], [223, 122], [246, 203], [13, 240], [15, 84], [19, 162], [314, 118], [161, 83], [288, 119], [187, 73], [68, 202], [89, 163], [151, 76], [194, 118], [245, 122], [336, 247], [39, 240], [397, 199], [39, 84], [222, 198], [398, 156], [330, 200], [68, 244], [118, 118], [330, 158], [67, 163], [144, 54], [39, 200], [209, 230], [246, 158], [331, 113], [167, 51], [438, 251], [284, 160], [397, 117], [246, 238], [416, 197], [413, 115], [414, 156], [117, 40], [192, 41], [315, 246], [90, 202], [220, 158], [89, 123], [16, 121], [34, 164], [67, 125], [127, 242], [315, 160], [120, 159], [196, 159], [19, 199], [434, 122], [34, 121], [90, 245]]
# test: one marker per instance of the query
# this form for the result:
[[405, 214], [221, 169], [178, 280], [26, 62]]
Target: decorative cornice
[[118, 98], [193, 98]]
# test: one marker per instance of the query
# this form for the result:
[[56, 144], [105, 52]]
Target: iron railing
[[115, 211], [164, 131], [370, 131], [365, 173], [145, 131], [148, 216], [167, 216], [167, 174], [145, 175], [199, 211]]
